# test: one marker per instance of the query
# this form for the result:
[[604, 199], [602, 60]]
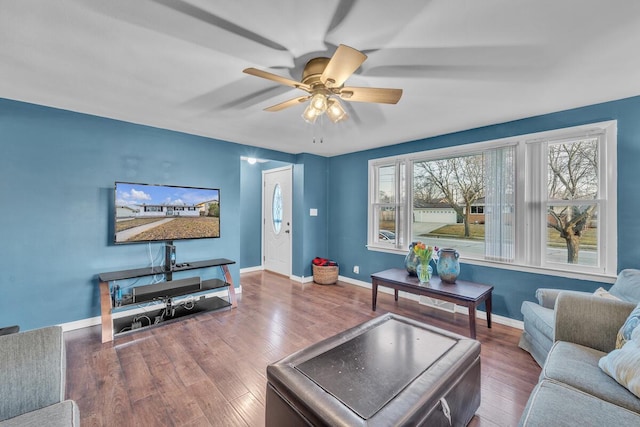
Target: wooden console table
[[106, 307], [467, 294]]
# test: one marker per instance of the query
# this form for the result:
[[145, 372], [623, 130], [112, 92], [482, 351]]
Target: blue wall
[[313, 195], [348, 186], [251, 214], [58, 169]]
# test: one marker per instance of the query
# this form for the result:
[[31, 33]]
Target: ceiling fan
[[323, 78]]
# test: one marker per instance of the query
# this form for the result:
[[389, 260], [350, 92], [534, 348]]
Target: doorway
[[276, 213]]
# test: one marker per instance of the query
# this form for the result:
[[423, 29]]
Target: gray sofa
[[538, 335], [573, 390], [32, 380]]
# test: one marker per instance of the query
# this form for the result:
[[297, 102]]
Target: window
[[276, 206], [546, 200], [388, 198], [574, 210]]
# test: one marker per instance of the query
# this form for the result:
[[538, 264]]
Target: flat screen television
[[154, 213]]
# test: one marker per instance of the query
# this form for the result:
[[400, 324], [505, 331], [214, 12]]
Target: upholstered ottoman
[[390, 371]]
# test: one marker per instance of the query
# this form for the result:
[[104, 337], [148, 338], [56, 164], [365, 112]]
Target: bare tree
[[459, 179], [573, 175], [424, 190]]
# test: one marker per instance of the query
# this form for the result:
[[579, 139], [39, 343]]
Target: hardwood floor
[[209, 370]]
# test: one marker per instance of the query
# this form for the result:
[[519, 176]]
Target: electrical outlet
[[356, 269]]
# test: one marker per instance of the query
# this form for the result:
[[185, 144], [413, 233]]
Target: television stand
[[208, 304]]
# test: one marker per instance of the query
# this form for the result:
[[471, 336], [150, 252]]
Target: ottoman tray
[[389, 371]]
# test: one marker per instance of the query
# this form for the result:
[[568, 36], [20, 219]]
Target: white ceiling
[[177, 64]]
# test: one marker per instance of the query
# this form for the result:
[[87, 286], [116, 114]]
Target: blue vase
[[411, 261], [448, 265]]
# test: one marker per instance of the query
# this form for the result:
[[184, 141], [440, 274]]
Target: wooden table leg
[[487, 304], [472, 321], [374, 294]]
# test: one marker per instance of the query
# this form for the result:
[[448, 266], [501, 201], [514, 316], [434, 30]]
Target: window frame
[[528, 248], [375, 205]]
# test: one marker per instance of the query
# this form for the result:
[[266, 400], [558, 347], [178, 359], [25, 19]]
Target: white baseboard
[[93, 321], [79, 324], [251, 269], [507, 321], [300, 279]]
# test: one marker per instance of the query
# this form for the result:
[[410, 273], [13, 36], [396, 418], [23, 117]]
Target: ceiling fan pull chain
[[315, 128], [318, 125]]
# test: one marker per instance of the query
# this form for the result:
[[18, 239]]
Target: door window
[[276, 206]]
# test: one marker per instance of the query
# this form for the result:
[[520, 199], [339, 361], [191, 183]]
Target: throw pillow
[[632, 322], [603, 293], [623, 365], [627, 286]]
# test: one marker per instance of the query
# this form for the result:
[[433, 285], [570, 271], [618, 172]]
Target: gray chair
[[539, 318], [32, 380], [572, 390]]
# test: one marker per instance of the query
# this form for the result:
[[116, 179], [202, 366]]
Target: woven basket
[[325, 274]]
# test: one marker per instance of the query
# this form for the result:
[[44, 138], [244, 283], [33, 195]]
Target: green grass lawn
[[457, 231], [588, 239]]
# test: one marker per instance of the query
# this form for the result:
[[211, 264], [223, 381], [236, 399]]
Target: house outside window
[[539, 201]]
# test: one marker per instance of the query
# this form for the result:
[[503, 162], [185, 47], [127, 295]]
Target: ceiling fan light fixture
[[335, 111], [319, 102], [310, 114]]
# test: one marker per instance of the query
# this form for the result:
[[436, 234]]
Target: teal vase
[[448, 265], [411, 261]]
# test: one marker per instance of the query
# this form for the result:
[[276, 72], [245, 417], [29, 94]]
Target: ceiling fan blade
[[342, 10], [276, 78], [371, 94], [342, 64], [287, 104], [208, 17]]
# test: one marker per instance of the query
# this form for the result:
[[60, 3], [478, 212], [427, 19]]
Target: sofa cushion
[[61, 414], [556, 404], [623, 365], [577, 366], [632, 322], [627, 286], [603, 293], [32, 371]]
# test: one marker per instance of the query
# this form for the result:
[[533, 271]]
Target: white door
[[277, 200]]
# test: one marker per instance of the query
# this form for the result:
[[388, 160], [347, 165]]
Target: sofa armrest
[[547, 297], [32, 371], [589, 320]]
